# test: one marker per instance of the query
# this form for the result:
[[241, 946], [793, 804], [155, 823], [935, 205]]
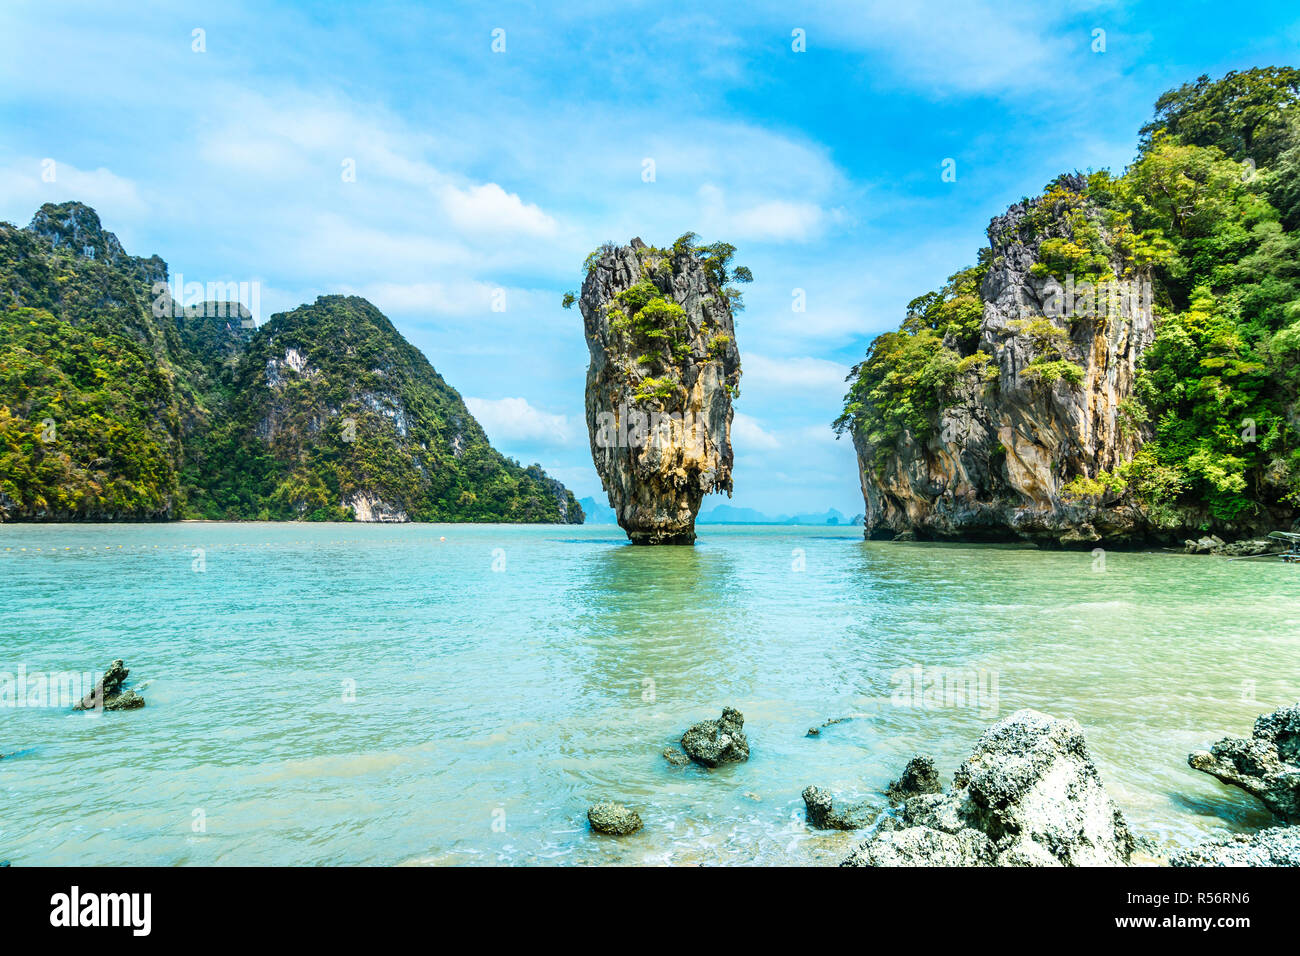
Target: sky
[[455, 164]]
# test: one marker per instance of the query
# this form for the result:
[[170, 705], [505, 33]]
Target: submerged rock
[[822, 814], [1266, 766], [829, 722], [108, 691], [664, 369], [715, 742], [613, 819], [919, 777], [1277, 846], [1028, 795], [676, 757]]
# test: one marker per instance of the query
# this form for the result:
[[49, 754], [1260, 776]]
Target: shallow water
[[491, 707]]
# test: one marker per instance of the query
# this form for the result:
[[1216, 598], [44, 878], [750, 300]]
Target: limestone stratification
[[1267, 765], [664, 369], [1028, 795], [1021, 417]]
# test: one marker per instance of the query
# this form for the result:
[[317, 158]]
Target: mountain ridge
[[115, 404]]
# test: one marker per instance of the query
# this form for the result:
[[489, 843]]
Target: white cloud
[[514, 420], [748, 434], [489, 208], [976, 46], [802, 373], [778, 219], [23, 190], [439, 298], [761, 220]]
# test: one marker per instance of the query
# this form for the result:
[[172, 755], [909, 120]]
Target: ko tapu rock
[[664, 371]]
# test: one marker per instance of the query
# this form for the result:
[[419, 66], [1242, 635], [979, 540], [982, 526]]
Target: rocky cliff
[[1029, 371], [664, 370], [1120, 364]]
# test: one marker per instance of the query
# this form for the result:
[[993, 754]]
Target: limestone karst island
[[526, 436]]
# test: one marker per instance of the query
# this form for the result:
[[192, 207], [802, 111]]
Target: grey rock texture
[[824, 815], [1248, 547], [659, 393], [613, 819], [919, 777], [715, 742], [108, 691], [1007, 440], [75, 228], [828, 722], [1277, 846], [676, 757], [1028, 795], [1266, 765]]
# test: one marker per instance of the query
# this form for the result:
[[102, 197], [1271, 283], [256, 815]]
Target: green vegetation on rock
[[1210, 210], [112, 409]]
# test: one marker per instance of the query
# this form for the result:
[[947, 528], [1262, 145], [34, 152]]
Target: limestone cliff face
[[664, 369], [1019, 434]]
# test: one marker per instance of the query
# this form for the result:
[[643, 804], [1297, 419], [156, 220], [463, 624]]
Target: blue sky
[[479, 171]]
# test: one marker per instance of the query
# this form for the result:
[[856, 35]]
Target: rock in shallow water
[[108, 691], [1277, 846], [1266, 766], [676, 757], [613, 819], [919, 776], [715, 742], [1028, 795], [822, 814]]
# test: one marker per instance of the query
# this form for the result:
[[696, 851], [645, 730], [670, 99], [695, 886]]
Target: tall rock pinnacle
[[664, 370]]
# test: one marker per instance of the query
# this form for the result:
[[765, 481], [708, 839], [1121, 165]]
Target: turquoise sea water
[[373, 694]]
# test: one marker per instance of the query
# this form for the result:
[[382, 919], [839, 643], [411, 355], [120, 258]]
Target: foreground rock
[[822, 814], [1278, 846], [664, 369], [919, 777], [1267, 765], [715, 742], [1028, 795], [108, 691], [613, 819]]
